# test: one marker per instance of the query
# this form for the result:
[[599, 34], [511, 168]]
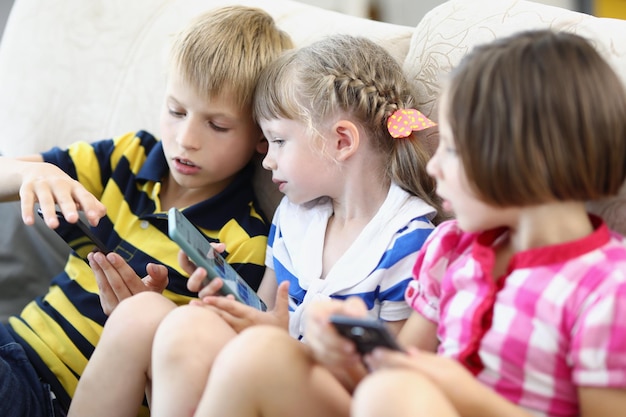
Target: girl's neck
[[542, 225], [359, 201], [357, 206], [549, 224]]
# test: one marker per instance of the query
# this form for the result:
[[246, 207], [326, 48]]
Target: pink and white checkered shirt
[[556, 321]]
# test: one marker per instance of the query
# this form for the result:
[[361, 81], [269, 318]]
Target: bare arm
[[11, 172], [601, 402], [395, 326], [594, 402], [267, 289], [419, 332]]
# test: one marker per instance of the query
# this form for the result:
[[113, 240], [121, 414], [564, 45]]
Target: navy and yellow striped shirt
[[59, 330]]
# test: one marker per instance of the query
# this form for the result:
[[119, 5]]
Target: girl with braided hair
[[347, 149]]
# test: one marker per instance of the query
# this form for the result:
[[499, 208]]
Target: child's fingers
[[196, 280], [185, 262], [157, 278], [228, 305], [211, 288], [220, 247], [90, 205], [282, 298]]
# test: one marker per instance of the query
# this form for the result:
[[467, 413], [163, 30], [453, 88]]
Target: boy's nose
[[187, 138]]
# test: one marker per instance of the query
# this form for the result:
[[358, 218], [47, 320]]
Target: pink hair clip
[[403, 122]]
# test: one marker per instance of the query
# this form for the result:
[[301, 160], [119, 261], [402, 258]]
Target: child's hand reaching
[[48, 185], [118, 281], [240, 316]]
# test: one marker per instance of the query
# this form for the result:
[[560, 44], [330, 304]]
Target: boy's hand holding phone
[[78, 235], [49, 186], [118, 281]]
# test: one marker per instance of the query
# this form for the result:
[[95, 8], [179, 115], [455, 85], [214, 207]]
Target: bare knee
[[191, 331], [258, 350], [138, 317], [399, 393]]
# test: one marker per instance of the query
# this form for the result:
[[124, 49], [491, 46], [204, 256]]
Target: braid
[[352, 77], [367, 97]]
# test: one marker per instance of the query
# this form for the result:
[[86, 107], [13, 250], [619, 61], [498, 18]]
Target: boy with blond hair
[[202, 164]]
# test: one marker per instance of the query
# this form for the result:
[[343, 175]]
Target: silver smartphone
[[200, 251]]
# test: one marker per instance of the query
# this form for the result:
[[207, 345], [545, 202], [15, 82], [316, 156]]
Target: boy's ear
[[346, 139], [262, 145]]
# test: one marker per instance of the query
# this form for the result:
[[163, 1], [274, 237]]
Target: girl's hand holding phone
[[328, 346], [241, 316]]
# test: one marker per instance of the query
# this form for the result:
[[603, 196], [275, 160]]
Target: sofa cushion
[[449, 31]]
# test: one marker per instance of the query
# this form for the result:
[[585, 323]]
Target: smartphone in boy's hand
[[78, 236], [366, 333]]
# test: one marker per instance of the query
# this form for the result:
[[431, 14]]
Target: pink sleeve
[[424, 291], [598, 348]]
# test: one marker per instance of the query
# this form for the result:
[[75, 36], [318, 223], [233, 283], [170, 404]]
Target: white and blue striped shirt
[[377, 267]]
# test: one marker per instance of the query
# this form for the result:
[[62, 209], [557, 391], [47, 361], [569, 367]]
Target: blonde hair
[[353, 76], [226, 49]]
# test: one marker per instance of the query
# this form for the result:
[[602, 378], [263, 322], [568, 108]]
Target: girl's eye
[[451, 150], [277, 141]]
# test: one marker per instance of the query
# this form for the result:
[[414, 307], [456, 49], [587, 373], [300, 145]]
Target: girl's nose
[[268, 162], [432, 167]]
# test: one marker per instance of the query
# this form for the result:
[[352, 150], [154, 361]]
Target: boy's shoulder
[[137, 138]]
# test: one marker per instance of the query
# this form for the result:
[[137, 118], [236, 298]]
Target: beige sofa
[[86, 70]]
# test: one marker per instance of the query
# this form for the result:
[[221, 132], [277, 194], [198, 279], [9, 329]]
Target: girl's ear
[[346, 139], [262, 145]]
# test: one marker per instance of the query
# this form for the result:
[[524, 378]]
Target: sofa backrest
[[86, 70], [450, 30]]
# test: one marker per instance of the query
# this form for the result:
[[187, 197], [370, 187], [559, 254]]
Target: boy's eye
[[218, 128], [176, 113]]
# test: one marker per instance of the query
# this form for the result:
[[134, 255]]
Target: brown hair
[[354, 76], [227, 48], [537, 117]]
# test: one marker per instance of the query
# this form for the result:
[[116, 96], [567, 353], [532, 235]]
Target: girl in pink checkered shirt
[[525, 290], [522, 296]]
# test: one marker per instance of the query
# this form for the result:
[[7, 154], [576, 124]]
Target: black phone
[[366, 333], [78, 236]]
